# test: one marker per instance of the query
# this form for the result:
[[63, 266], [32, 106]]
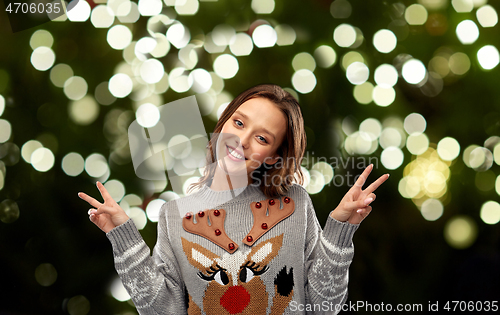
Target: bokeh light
[[45, 274], [490, 212], [5, 130], [73, 164], [147, 115], [80, 12], [263, 6], [120, 85], [153, 209], [28, 148], [344, 35], [75, 88], [116, 189], [415, 123], [119, 37], [488, 57], [304, 81], [431, 209], [118, 291], [325, 56], [42, 159], [386, 76], [487, 16], [448, 148], [416, 14], [357, 73], [467, 32], [41, 38], [226, 66], [9, 211], [264, 36], [414, 71], [43, 58], [460, 231], [392, 158], [83, 111], [384, 41]]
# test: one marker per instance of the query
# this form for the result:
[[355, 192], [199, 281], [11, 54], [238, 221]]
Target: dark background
[[399, 256]]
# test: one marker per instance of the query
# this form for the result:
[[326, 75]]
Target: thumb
[[103, 210]]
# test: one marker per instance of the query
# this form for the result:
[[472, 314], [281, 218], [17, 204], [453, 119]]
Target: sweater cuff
[[124, 236], [339, 233]]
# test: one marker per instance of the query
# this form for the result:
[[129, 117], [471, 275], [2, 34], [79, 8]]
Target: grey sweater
[[243, 255]]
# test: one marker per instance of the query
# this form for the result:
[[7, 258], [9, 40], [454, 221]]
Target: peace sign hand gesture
[[107, 215], [354, 207]]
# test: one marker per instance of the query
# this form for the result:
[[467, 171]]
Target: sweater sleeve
[[154, 283], [328, 255]]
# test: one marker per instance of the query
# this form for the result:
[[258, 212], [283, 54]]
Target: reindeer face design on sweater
[[234, 283]]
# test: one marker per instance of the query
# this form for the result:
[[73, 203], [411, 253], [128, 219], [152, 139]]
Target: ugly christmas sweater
[[237, 252]]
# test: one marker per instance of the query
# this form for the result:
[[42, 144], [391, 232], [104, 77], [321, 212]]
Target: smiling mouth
[[235, 154]]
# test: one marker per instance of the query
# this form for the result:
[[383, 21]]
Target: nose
[[243, 138], [235, 299]]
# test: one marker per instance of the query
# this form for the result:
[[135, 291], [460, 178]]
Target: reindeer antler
[[214, 232], [262, 222]]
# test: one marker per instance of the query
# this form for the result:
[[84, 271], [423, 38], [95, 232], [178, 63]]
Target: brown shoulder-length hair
[[279, 176]]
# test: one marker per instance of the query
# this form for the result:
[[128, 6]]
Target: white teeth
[[233, 153]]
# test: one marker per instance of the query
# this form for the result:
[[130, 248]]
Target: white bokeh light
[[119, 37], [80, 12], [386, 75], [147, 115], [226, 66], [467, 32], [392, 158], [264, 36], [344, 35], [488, 57], [385, 41], [357, 73], [120, 85], [152, 71], [42, 159], [414, 71], [304, 81], [150, 7], [43, 58]]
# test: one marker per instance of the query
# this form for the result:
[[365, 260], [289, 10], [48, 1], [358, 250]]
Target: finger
[[104, 193], [364, 211], [362, 178], [89, 199], [376, 183], [103, 210], [369, 199]]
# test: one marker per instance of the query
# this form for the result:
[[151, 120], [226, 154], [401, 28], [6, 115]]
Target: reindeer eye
[[246, 274], [221, 277]]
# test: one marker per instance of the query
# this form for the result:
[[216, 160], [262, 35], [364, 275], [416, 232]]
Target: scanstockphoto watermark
[[336, 171], [327, 307]]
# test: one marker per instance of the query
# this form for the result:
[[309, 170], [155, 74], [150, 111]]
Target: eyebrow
[[265, 130]]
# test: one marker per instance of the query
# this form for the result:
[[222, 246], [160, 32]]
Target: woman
[[248, 240]]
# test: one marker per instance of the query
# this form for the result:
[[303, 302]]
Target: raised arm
[[329, 252], [154, 282]]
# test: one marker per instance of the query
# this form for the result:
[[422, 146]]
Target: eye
[[221, 277], [261, 138], [246, 274], [238, 123]]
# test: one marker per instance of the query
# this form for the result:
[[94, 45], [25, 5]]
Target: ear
[[198, 256], [272, 160]]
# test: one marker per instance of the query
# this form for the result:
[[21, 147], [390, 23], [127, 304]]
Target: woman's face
[[251, 136]]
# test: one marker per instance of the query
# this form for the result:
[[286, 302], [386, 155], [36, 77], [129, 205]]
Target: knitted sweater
[[244, 255]]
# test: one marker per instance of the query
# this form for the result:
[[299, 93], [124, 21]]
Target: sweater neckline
[[218, 197]]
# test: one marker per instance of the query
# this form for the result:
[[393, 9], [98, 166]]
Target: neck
[[223, 181]]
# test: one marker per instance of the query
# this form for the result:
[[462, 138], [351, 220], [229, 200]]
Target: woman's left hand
[[355, 206]]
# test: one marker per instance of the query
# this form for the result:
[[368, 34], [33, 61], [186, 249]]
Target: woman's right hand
[[107, 215]]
